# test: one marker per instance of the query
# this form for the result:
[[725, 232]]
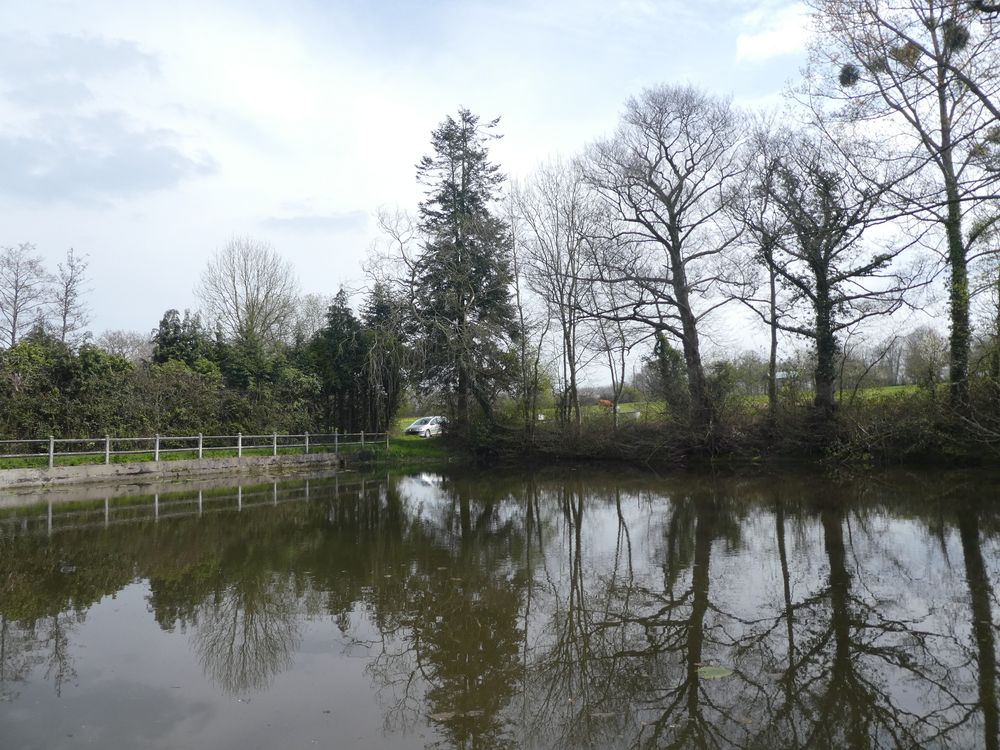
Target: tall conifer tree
[[461, 291]]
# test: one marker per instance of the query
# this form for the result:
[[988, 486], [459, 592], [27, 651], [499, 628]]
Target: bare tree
[[310, 315], [926, 357], [557, 215], [132, 345], [860, 360], [825, 207], [68, 306], [923, 73], [533, 320], [24, 290], [249, 291], [751, 204], [664, 174], [615, 338], [894, 349]]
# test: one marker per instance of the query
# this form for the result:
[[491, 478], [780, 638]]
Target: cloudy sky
[[144, 134]]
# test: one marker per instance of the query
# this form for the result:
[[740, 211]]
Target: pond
[[500, 609]]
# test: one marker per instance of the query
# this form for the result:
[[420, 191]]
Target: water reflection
[[548, 611], [247, 632]]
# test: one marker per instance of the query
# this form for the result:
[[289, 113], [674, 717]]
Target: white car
[[427, 426]]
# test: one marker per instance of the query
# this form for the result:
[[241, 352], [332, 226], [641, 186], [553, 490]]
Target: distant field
[[655, 410]]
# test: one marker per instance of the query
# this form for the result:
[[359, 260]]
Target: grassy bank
[[402, 448], [415, 449], [877, 427]]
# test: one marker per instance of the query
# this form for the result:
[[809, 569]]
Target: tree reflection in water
[[27, 645], [456, 642], [570, 612], [852, 652], [981, 598], [248, 632]]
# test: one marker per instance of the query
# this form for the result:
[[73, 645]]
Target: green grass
[[655, 410], [414, 447], [401, 447], [884, 393], [411, 448], [591, 412]]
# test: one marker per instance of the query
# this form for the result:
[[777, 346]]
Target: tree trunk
[[995, 350], [958, 286], [958, 295], [702, 409], [826, 350], [772, 364], [462, 393], [573, 395]]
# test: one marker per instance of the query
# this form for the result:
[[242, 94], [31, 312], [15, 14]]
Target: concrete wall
[[159, 471]]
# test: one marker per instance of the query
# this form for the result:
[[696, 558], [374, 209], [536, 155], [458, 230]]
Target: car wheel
[[425, 433]]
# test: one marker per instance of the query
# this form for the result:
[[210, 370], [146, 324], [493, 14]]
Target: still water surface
[[567, 609]]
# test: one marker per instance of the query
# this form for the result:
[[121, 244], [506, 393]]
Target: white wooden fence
[[56, 516], [200, 446]]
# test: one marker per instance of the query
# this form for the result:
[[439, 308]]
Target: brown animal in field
[[605, 403]]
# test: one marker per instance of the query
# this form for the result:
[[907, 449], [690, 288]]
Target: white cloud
[[146, 134], [773, 32], [91, 159]]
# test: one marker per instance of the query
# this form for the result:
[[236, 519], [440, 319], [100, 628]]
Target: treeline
[[186, 379], [825, 231], [873, 193], [835, 226]]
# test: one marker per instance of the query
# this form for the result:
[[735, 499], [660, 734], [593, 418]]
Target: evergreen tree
[[183, 340], [461, 292], [668, 364], [385, 357], [338, 357]]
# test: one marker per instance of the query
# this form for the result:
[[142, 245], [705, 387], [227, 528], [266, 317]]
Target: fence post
[[156, 448], [107, 449], [239, 445], [307, 442], [387, 438], [200, 444], [52, 451], [274, 444], [362, 440], [336, 442]]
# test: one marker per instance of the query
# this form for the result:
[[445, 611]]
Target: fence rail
[[56, 517], [162, 446]]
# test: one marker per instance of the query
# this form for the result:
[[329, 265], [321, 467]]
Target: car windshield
[[423, 420]]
